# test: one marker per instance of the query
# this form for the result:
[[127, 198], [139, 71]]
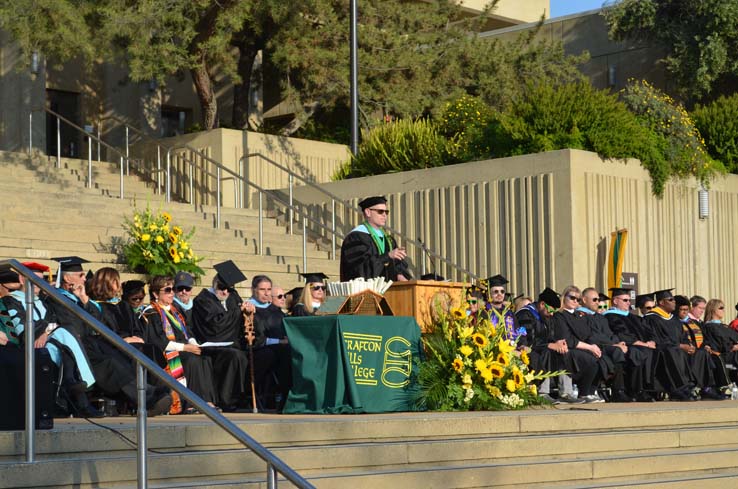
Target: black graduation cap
[[603, 297], [643, 298], [295, 293], [228, 273], [681, 300], [70, 263], [497, 281], [7, 275], [314, 277], [550, 297], [372, 201], [616, 291], [663, 294], [132, 286]]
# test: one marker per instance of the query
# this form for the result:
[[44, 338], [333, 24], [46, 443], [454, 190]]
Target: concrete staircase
[[49, 212], [615, 445]]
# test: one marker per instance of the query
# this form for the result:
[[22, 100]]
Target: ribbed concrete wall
[[545, 220]]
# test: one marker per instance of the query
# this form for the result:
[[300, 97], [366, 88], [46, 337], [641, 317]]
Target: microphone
[[432, 275]]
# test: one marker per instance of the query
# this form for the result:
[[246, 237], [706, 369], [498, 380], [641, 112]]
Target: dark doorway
[[67, 105], [174, 121]]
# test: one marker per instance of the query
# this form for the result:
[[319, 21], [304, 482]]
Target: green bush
[[465, 123], [685, 149], [718, 124], [578, 116], [395, 147]]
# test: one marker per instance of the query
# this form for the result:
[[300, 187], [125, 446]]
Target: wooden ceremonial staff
[[248, 320]]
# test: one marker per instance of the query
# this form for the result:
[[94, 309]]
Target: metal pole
[[354, 79], [89, 161], [158, 172], [291, 212], [190, 171], [158, 168], [30, 134], [58, 142], [121, 178], [142, 472], [128, 161], [261, 224], [304, 244], [169, 182], [30, 378], [422, 262], [271, 477], [98, 143], [333, 228], [217, 197]]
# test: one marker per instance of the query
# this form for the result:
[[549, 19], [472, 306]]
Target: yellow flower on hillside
[[503, 359], [159, 239], [458, 313], [167, 217], [497, 370], [458, 364], [524, 357], [466, 350], [479, 340], [145, 237], [510, 385]]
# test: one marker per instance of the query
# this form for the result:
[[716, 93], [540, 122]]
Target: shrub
[[465, 122], [685, 149], [579, 116], [718, 124], [394, 147]]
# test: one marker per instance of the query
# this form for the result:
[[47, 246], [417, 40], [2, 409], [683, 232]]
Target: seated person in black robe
[[367, 251], [312, 295], [183, 283], [499, 311], [167, 329], [673, 369], [270, 334], [704, 355], [596, 331], [218, 316], [721, 335], [114, 372]]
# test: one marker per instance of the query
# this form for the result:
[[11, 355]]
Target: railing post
[[217, 198], [333, 228], [261, 224], [191, 171], [121, 178], [58, 142], [271, 477], [30, 134], [158, 169], [128, 160], [98, 142], [142, 471], [89, 161], [292, 216], [304, 244], [30, 378], [168, 181]]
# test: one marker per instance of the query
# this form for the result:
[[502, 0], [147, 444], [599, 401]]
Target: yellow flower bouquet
[[471, 366], [158, 247]]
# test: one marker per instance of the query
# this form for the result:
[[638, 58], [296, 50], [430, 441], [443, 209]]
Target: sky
[[566, 7]]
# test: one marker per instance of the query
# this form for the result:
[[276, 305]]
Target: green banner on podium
[[353, 364]]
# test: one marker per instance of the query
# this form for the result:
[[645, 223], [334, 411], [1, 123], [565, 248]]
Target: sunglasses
[[166, 290], [648, 308], [220, 286], [317, 287], [573, 297], [595, 299], [182, 287], [280, 296], [380, 211], [721, 307], [136, 299], [497, 291], [603, 307], [472, 301], [627, 299]]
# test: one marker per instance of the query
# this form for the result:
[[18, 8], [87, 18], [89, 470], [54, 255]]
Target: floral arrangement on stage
[[158, 247], [471, 366]]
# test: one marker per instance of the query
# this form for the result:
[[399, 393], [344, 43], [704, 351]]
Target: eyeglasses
[[595, 299], [136, 299], [497, 291], [721, 307], [472, 301], [627, 299], [380, 211], [572, 297], [166, 290], [280, 296], [183, 288], [317, 287]]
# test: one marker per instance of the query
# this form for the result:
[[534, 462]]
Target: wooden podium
[[423, 299]]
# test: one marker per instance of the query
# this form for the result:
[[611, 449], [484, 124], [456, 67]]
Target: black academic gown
[[268, 324], [570, 327], [723, 338], [198, 369], [640, 369], [360, 257], [592, 328], [120, 318], [672, 367], [211, 321], [708, 369]]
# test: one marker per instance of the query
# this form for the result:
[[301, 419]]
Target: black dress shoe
[[620, 396], [90, 411], [644, 397]]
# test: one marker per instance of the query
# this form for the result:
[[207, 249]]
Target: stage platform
[[654, 445]]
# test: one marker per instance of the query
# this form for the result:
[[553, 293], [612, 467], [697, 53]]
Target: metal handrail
[[417, 243], [143, 365]]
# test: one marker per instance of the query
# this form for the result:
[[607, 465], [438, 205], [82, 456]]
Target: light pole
[[354, 60]]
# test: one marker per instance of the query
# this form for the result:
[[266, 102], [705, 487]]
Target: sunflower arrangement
[[157, 246], [471, 366]]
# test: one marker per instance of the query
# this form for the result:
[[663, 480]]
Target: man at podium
[[368, 252]]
